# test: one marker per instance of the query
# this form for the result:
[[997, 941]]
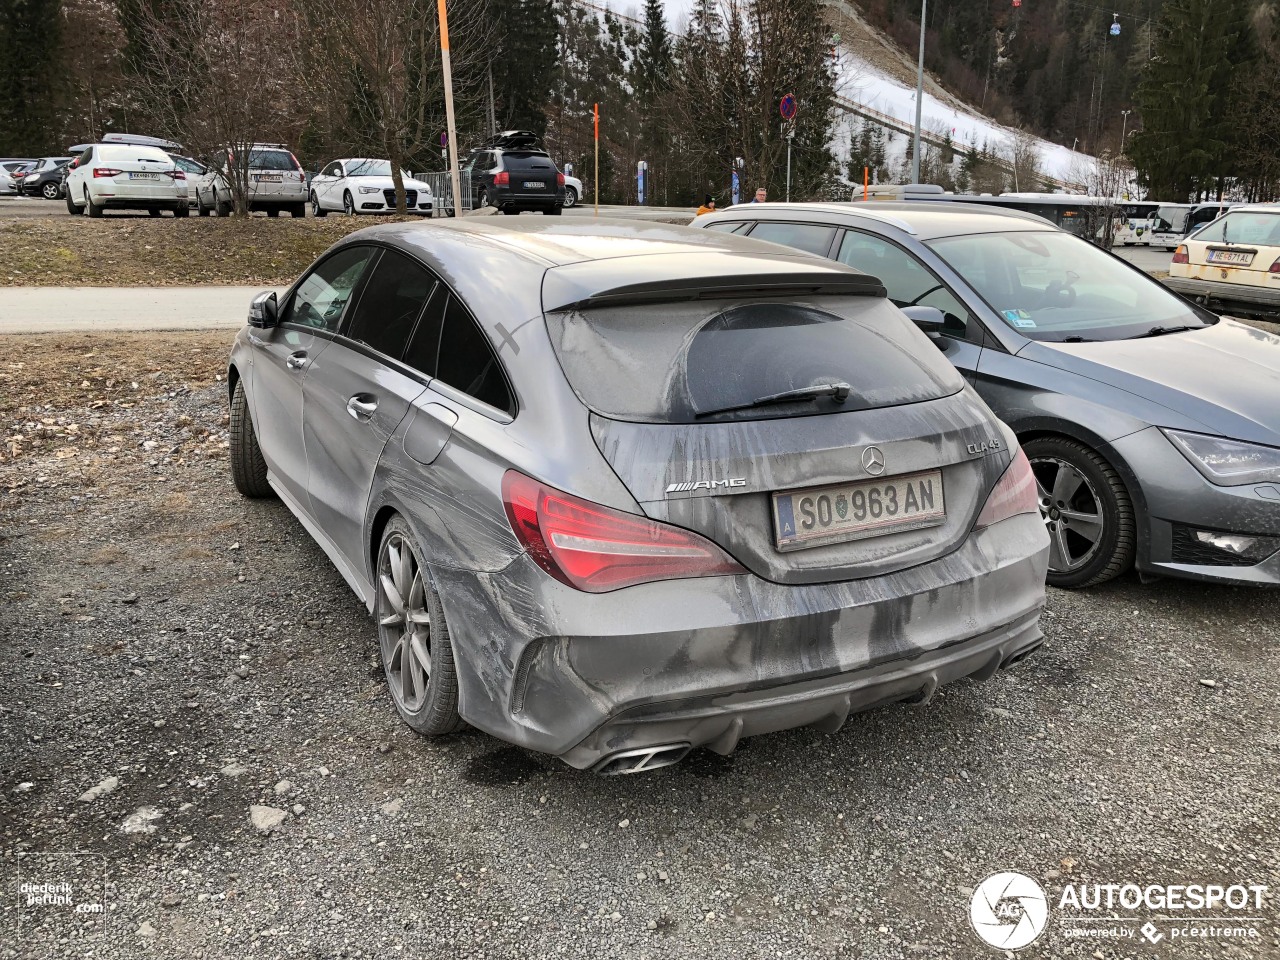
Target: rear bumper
[[707, 661], [1225, 293]]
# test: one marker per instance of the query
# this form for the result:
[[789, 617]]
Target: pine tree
[[30, 88], [524, 63], [1190, 128]]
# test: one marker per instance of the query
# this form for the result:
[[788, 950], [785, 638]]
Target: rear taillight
[[1015, 493], [1275, 267], [178, 174], [596, 548], [502, 179], [559, 179], [1180, 255], [106, 172]]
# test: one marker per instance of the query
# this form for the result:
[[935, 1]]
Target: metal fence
[[442, 190]]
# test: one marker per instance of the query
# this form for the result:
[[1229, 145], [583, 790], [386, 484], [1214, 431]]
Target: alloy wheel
[[1072, 513], [404, 624]]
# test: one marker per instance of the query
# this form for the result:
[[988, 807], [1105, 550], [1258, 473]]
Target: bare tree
[[1106, 180], [1024, 162], [216, 75], [376, 64]]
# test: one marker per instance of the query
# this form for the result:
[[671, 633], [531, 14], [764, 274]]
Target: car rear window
[[526, 160], [271, 160], [127, 152], [677, 362]]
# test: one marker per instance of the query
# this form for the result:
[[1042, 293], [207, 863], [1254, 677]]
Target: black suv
[[514, 174]]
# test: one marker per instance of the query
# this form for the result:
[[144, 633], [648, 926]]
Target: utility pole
[[1124, 128], [915, 148], [447, 69]]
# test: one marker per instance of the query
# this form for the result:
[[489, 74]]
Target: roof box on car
[[137, 140]]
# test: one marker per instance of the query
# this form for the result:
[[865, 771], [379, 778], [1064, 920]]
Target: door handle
[[296, 361], [362, 406]]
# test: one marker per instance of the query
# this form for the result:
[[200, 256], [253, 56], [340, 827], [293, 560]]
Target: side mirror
[[263, 311], [929, 319]]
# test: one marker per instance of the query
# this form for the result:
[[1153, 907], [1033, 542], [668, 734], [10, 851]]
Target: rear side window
[[669, 363], [323, 294], [390, 304], [809, 237], [727, 226], [467, 362], [424, 346]]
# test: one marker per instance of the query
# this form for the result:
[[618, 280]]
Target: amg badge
[[690, 485]]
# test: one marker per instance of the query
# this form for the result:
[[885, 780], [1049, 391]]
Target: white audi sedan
[[360, 185]]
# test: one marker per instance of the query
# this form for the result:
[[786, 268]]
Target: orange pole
[[447, 69], [595, 112], [866, 181]]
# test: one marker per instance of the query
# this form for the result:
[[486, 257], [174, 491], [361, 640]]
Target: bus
[[1175, 220], [1133, 221]]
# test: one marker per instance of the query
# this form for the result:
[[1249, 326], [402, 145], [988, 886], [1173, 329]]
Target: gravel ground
[[175, 656]]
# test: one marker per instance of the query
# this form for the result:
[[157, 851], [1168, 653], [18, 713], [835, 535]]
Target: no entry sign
[[788, 107]]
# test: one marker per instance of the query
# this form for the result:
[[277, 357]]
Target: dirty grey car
[[616, 491], [1151, 423]]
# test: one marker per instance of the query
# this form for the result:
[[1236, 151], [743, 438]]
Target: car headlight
[[1228, 463], [370, 189]]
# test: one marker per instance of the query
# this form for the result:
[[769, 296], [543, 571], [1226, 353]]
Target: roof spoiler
[[713, 288]]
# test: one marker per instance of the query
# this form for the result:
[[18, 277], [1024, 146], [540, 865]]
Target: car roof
[[923, 219], [555, 263], [1255, 208]]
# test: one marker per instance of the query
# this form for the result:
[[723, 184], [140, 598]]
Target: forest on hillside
[[1183, 89]]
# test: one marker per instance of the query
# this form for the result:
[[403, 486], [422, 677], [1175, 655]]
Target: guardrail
[[442, 190]]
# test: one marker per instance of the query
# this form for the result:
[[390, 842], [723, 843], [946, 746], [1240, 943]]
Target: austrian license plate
[[854, 511], [534, 185], [144, 176], [1238, 258], [268, 178]]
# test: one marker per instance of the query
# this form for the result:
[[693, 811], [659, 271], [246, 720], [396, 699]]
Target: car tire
[[201, 209], [1087, 510], [413, 636], [50, 191], [554, 211], [153, 212], [90, 207], [570, 197], [182, 210], [348, 205], [71, 207], [298, 211], [482, 200], [248, 468], [222, 207], [316, 209], [273, 212]]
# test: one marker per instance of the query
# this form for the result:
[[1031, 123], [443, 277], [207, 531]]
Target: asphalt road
[[178, 661]]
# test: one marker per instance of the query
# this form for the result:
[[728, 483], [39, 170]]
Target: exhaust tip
[[642, 759], [1019, 656]]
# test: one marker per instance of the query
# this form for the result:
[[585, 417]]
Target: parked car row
[[745, 475]]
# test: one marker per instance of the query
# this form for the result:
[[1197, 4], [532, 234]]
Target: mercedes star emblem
[[873, 461]]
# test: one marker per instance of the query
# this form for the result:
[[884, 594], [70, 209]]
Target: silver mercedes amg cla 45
[[616, 491]]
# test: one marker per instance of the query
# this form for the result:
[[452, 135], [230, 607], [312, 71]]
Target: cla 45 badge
[[977, 448]]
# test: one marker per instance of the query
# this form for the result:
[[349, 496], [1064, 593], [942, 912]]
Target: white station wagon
[[1232, 263]]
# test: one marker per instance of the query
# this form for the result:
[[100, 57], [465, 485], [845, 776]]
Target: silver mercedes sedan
[[616, 491]]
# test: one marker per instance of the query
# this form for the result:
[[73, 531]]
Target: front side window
[[321, 297], [390, 304], [908, 282], [809, 237], [1053, 286], [467, 361]]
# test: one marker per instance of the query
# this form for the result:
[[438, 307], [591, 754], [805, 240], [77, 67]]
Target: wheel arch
[[1071, 430]]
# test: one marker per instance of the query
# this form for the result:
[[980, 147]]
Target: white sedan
[[361, 185], [572, 191]]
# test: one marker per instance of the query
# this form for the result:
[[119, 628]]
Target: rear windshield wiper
[[838, 391], [1161, 331]]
